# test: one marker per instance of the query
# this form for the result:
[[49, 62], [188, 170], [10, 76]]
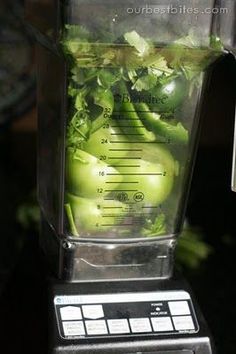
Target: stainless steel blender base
[[76, 260]]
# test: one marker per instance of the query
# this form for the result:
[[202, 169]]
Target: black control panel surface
[[125, 314]]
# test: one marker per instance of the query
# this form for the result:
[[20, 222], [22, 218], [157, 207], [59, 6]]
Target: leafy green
[[77, 33], [216, 43], [192, 250], [157, 65], [103, 98], [145, 82], [107, 79], [189, 41], [156, 228], [134, 39], [70, 217], [28, 214], [79, 125]]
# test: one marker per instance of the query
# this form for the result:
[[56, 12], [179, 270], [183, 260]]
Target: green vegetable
[[100, 144], [70, 217], [135, 128], [216, 43], [186, 56], [86, 176], [90, 216], [170, 93], [126, 140], [134, 39], [103, 98], [158, 154], [192, 250], [79, 125], [174, 132], [158, 227], [154, 181]]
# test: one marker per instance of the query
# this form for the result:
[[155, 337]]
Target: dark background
[[211, 207]]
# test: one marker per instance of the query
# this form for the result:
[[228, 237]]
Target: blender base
[[155, 317]]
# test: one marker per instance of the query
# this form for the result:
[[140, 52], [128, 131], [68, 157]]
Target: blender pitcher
[[120, 86]]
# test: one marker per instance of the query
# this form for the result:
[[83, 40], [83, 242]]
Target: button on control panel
[[125, 314]]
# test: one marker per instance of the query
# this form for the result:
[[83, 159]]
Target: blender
[[120, 88]]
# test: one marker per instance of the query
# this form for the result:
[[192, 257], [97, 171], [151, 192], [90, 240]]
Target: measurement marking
[[124, 166], [124, 225], [149, 214], [121, 190], [139, 142], [117, 134], [127, 126], [120, 112], [129, 119], [109, 216], [135, 150], [124, 158], [134, 174], [122, 182], [130, 214], [113, 215], [149, 207], [112, 207]]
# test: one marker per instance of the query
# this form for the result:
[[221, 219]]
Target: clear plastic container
[[120, 86]]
